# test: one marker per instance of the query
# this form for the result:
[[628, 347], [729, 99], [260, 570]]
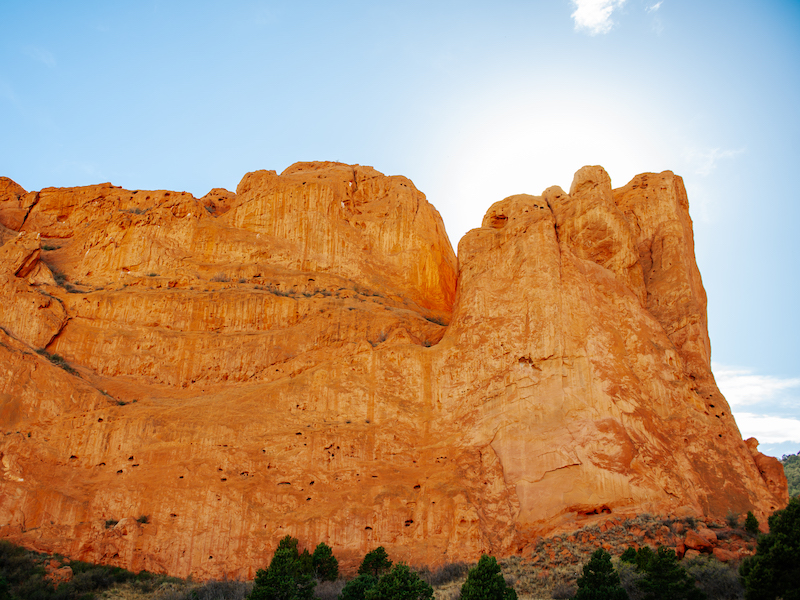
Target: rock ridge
[[307, 356]]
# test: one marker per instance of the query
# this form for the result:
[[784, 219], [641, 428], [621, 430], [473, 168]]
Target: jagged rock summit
[[308, 357]]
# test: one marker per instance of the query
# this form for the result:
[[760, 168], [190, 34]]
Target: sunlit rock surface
[[308, 357]]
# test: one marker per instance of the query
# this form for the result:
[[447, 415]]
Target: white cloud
[[705, 161], [654, 7], [594, 16], [768, 429], [742, 387]]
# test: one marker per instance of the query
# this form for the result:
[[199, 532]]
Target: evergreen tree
[[600, 581], [401, 583], [376, 562], [665, 579], [485, 582], [751, 523], [284, 579], [289, 543], [774, 571], [326, 566], [306, 562], [644, 557], [356, 589], [629, 555]]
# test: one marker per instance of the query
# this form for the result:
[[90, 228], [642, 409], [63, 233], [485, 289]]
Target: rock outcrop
[[307, 357]]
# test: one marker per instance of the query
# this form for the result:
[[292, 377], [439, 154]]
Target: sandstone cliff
[[307, 357]]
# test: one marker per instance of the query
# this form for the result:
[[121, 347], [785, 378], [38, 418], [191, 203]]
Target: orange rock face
[[307, 357]]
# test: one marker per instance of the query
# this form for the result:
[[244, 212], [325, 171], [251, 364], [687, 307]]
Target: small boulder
[[695, 541], [723, 555]]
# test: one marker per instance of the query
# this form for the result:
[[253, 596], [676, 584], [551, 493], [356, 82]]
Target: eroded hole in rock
[[284, 483], [498, 221], [130, 458], [224, 479], [173, 515], [594, 511], [367, 528], [416, 487], [119, 472], [409, 522], [73, 457]]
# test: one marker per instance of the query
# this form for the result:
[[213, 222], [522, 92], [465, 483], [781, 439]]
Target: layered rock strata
[[307, 357]]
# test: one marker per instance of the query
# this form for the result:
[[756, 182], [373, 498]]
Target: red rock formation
[[307, 357]]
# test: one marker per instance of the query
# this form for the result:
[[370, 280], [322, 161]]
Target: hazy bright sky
[[473, 101]]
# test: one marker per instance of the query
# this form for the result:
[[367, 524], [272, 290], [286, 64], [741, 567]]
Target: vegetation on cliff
[[791, 467], [774, 572]]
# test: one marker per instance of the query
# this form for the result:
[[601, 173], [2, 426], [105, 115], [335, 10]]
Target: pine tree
[[356, 589], [375, 562], [325, 564], [629, 555], [401, 583], [600, 581], [644, 557], [665, 579], [289, 543], [774, 571], [284, 579], [485, 582]]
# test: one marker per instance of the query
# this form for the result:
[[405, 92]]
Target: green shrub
[[57, 360], [401, 583], [774, 571], [751, 523], [485, 582]]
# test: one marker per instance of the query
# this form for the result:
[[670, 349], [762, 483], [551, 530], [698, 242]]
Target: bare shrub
[[718, 580], [221, 278], [444, 574], [562, 591], [629, 577], [329, 590], [210, 590]]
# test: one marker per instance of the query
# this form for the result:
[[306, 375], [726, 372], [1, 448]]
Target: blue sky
[[473, 101]]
